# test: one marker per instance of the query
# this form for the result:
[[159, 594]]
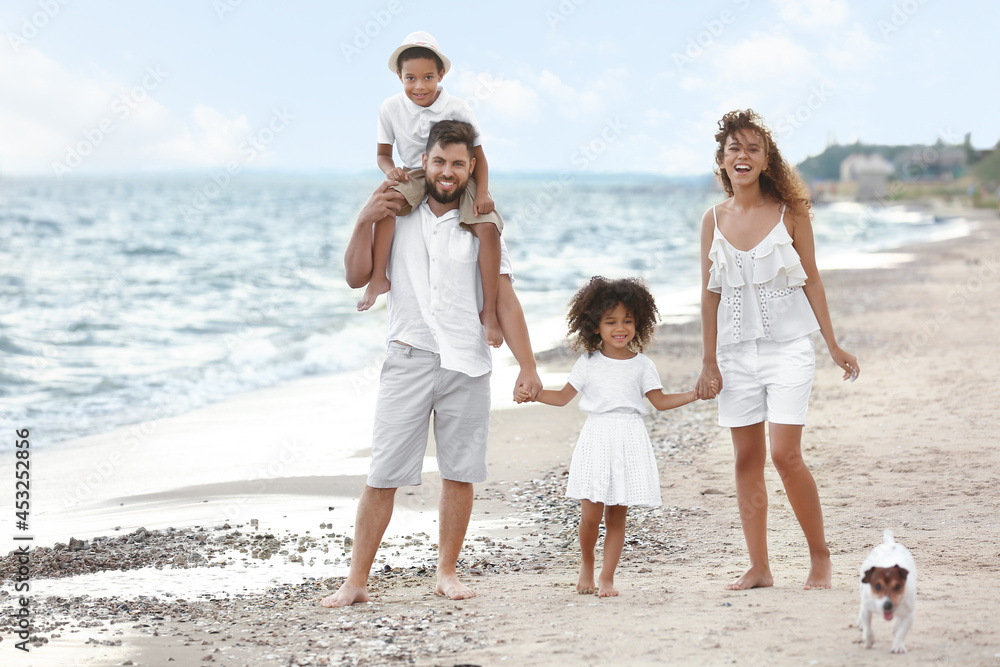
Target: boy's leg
[[381, 247], [590, 526], [374, 512], [614, 541], [489, 268]]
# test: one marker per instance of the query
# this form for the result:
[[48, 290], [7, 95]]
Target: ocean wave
[[136, 312]]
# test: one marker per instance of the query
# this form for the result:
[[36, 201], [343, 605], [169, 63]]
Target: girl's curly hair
[[600, 295], [780, 181]]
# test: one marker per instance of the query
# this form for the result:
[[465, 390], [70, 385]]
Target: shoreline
[[888, 451]]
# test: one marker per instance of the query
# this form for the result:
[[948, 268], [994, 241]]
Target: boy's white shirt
[[407, 125], [436, 291]]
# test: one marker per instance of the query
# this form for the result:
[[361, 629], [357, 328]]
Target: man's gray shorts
[[412, 387]]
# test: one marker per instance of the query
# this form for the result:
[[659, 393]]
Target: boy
[[405, 119]]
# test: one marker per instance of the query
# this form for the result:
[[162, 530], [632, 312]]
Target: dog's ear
[[868, 575], [902, 572]]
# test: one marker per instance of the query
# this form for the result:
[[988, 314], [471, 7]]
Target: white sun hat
[[414, 39]]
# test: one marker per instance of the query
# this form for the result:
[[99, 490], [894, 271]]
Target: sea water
[[128, 299]]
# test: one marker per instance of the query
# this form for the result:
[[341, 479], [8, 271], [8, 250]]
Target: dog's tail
[[887, 537]]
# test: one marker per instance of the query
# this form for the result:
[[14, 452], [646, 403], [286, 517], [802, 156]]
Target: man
[[437, 360]]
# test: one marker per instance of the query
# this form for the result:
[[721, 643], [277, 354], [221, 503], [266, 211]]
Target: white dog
[[888, 587]]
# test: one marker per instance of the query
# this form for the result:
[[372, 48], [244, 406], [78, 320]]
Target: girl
[[613, 465], [762, 297]]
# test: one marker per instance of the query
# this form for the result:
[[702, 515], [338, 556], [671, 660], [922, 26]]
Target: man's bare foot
[[585, 584], [494, 337], [375, 287], [820, 574], [606, 589], [345, 596], [453, 589], [752, 578]]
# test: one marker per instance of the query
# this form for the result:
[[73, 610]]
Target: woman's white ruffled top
[[761, 288]]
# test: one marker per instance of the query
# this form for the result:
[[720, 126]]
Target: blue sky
[[97, 86]]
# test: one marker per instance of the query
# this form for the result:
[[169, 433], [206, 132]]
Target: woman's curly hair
[[588, 307], [780, 181]]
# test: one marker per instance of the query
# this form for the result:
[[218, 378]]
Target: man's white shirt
[[435, 290]]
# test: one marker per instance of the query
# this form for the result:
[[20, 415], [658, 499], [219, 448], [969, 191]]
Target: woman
[[762, 297]]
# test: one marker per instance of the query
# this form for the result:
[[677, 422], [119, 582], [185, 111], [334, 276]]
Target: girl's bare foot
[[606, 589], [585, 585], [453, 589], [375, 287], [820, 574], [753, 578], [345, 596]]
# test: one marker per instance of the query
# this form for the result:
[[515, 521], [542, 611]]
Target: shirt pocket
[[462, 246]]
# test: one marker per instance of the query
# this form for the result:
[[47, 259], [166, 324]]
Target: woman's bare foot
[[345, 596], [820, 574], [752, 578], [585, 584], [606, 589], [375, 287], [453, 589]]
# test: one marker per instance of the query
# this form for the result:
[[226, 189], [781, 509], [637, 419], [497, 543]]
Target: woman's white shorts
[[764, 380]]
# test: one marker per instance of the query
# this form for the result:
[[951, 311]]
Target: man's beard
[[445, 197]]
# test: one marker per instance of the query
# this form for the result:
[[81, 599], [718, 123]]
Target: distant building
[[932, 163], [870, 172]]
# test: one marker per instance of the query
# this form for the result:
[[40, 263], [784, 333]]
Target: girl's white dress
[[613, 462]]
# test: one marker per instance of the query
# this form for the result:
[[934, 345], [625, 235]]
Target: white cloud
[[54, 121], [510, 97], [762, 57], [572, 103], [813, 14], [656, 117], [854, 50]]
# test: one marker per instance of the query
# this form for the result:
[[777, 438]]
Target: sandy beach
[[910, 447]]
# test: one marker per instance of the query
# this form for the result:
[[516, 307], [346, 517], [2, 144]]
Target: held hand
[[522, 395], [846, 361], [527, 386], [483, 203], [713, 387], [709, 382], [398, 174]]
